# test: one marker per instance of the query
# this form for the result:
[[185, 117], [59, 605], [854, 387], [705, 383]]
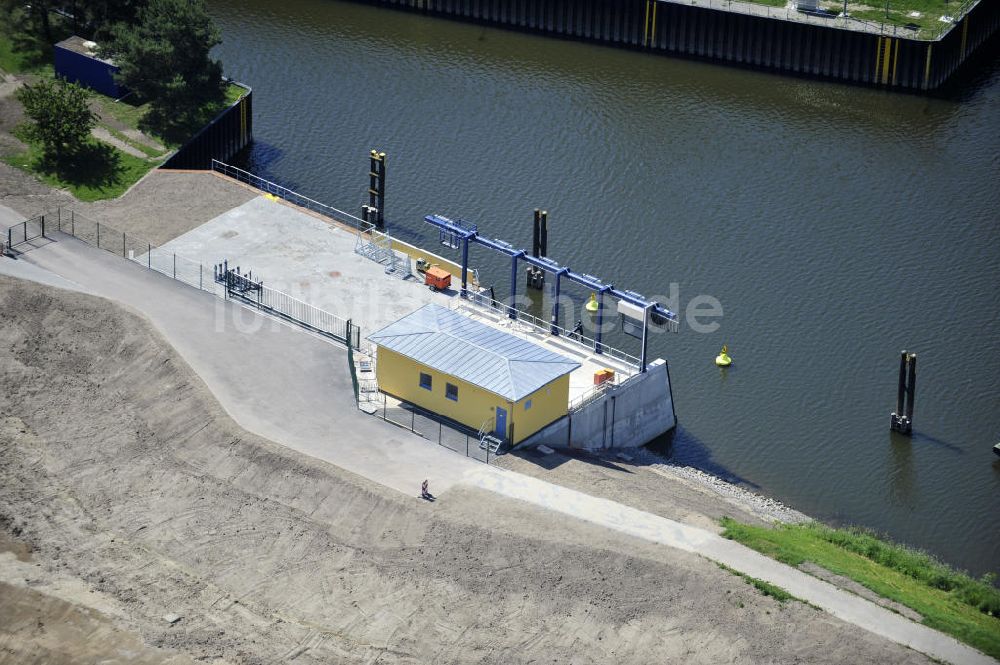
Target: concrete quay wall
[[806, 46], [626, 416]]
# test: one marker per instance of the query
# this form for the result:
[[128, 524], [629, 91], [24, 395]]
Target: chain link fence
[[222, 281], [437, 429]]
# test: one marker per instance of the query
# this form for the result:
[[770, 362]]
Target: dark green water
[[836, 225]]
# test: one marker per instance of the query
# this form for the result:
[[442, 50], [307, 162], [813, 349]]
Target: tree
[[96, 19], [32, 18], [60, 118], [165, 56]]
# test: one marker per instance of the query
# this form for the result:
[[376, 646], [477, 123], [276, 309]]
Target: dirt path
[[102, 134], [122, 474]]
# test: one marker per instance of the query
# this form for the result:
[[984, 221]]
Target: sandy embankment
[[138, 497]]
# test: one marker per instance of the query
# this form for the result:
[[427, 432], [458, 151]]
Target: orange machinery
[[437, 278], [603, 376]]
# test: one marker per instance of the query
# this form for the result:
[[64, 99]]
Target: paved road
[[293, 388], [273, 379]]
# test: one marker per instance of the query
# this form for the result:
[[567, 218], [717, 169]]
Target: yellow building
[[472, 373]]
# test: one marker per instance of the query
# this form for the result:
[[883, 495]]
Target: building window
[[527, 405], [425, 381], [451, 392]]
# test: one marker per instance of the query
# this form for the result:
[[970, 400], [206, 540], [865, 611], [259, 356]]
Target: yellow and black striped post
[[376, 189]]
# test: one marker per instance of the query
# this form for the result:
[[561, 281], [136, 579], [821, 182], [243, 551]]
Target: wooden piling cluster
[[901, 419], [892, 60]]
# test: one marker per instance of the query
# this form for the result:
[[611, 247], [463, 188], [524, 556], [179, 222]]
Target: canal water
[[835, 225]]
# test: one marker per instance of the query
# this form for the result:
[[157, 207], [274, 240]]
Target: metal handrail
[[282, 192], [484, 301]]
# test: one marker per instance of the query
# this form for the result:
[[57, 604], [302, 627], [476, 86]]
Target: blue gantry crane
[[459, 233]]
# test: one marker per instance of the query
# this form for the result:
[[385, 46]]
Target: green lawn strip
[[947, 600], [233, 93], [149, 152], [123, 111], [766, 588], [130, 170], [769, 3]]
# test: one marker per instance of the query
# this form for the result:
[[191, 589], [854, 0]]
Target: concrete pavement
[[293, 388], [270, 377]]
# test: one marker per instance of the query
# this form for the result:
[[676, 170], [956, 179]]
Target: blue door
[[501, 423]]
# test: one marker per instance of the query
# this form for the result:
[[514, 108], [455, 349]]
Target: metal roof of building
[[472, 351]]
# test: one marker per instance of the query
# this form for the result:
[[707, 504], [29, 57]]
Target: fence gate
[[28, 230]]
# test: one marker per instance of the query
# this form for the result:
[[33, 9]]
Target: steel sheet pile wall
[[717, 34], [226, 135]]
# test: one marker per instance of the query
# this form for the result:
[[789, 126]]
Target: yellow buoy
[[592, 303], [723, 359]]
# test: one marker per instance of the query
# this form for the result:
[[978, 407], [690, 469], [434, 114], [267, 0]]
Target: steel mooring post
[[901, 419], [381, 190], [149, 256], [911, 389], [535, 232], [123, 245], [543, 233], [72, 223], [901, 393], [98, 235]]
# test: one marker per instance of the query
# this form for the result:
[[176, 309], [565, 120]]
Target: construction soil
[[138, 523]]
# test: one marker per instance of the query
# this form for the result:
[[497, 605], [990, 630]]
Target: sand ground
[[127, 494]]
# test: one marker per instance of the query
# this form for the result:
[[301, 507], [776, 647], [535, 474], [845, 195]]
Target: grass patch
[[23, 54], [766, 588], [98, 172], [132, 112], [948, 600], [145, 149]]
